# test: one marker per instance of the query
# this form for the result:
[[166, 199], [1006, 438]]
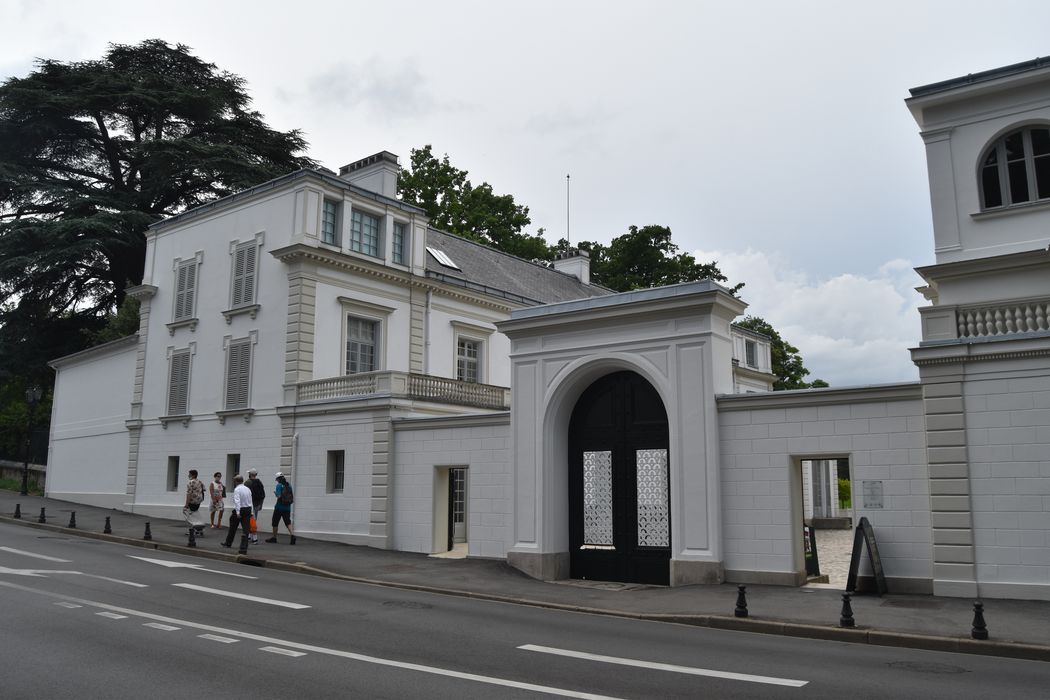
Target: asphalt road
[[86, 618]]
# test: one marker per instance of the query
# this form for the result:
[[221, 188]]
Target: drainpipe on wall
[[295, 458]]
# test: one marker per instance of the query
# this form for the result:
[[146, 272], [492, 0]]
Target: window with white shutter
[[185, 290], [179, 383], [244, 262], [238, 373]]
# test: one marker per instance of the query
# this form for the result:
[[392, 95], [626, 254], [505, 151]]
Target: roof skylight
[[442, 257]]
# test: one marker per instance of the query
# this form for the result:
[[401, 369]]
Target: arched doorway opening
[[619, 500]]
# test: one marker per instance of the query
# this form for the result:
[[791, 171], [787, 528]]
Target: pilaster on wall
[[378, 523], [144, 293], [288, 446], [951, 516], [299, 336], [417, 333]]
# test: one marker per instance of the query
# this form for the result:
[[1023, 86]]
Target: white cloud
[[850, 329]]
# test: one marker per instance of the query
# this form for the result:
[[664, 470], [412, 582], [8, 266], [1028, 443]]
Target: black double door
[[619, 505]]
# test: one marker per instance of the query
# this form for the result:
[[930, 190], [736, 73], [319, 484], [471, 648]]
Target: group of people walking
[[248, 497]]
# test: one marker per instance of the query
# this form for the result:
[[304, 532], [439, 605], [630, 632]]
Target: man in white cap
[[282, 510]]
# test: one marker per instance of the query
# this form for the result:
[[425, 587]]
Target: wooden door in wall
[[619, 504]]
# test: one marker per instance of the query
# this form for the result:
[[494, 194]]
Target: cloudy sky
[[769, 136]]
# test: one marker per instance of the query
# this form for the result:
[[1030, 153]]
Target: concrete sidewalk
[[1019, 629]]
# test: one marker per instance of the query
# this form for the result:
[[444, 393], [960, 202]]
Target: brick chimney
[[377, 173], [576, 263]]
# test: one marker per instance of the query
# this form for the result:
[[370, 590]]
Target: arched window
[[1016, 168]]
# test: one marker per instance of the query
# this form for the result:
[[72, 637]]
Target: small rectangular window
[[751, 353], [467, 363], [330, 222], [238, 373], [398, 244], [364, 233], [243, 276], [185, 289], [233, 468], [173, 473], [336, 465], [179, 383], [361, 344]]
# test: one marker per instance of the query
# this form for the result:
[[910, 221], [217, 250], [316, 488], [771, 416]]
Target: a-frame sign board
[[866, 535]]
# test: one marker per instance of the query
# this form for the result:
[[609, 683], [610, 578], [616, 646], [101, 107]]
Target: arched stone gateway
[[619, 505]]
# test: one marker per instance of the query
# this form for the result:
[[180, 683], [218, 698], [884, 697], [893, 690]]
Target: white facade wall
[[387, 303], [761, 453], [451, 318], [318, 512], [203, 444], [88, 457], [424, 447], [1008, 433]]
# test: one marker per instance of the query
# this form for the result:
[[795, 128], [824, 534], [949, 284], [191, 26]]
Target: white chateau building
[[425, 392]]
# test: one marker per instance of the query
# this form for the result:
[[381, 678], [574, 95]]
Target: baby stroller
[[195, 519]]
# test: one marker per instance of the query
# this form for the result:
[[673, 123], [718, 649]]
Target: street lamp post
[[33, 395]]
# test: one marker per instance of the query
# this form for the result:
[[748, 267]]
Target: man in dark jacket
[[255, 484]]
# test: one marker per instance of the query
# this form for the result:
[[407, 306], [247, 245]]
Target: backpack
[[286, 497]]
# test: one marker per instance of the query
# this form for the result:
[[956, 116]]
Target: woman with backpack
[[282, 510]]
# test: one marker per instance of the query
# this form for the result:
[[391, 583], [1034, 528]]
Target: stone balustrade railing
[[405, 385], [1005, 318]]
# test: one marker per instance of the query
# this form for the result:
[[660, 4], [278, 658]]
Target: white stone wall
[[88, 458], [1008, 432], [761, 451], [482, 444], [203, 444], [334, 516]]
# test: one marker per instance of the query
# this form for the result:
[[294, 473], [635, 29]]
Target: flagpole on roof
[[568, 237]]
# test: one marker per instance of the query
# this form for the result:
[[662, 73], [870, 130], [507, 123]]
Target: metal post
[[846, 616], [72, 520], [741, 602], [980, 629], [147, 535], [107, 530]]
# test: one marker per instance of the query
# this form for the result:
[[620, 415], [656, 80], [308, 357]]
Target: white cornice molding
[[819, 397], [298, 252]]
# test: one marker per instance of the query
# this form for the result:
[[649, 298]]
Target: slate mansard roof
[[487, 269]]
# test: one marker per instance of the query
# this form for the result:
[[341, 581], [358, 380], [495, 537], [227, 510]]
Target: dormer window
[[1016, 169]]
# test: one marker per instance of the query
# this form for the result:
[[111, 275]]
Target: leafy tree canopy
[[93, 152], [454, 204], [787, 362], [644, 257]]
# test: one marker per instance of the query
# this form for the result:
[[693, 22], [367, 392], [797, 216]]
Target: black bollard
[[18, 511], [244, 544], [148, 535], [741, 602], [107, 530], [846, 616], [980, 630], [43, 518], [72, 520], [192, 542]]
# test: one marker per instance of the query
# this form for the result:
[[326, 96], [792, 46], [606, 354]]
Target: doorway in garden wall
[[619, 500]]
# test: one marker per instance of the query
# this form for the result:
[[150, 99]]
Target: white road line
[[64, 604], [283, 652], [46, 572], [241, 596], [35, 556], [112, 615], [182, 565], [161, 626], [217, 638], [363, 658], [769, 680]]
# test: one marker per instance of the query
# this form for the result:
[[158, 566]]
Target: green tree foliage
[[93, 152], [787, 362], [644, 257], [454, 204]]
